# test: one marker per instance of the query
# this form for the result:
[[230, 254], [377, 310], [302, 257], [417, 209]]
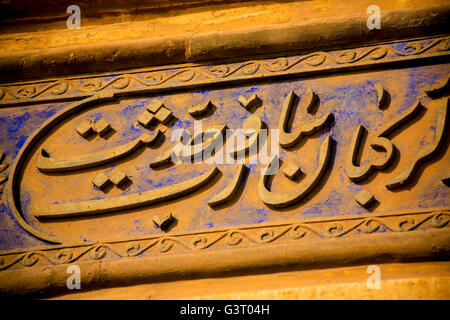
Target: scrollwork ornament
[[371, 226], [234, 238], [26, 92], [60, 87], [413, 47], [30, 259], [91, 85], [316, 59], [294, 232], [378, 53], [64, 256], [99, 252], [334, 230], [155, 78], [186, 75], [443, 45], [438, 220], [121, 82], [405, 224], [200, 242], [346, 57], [164, 245], [278, 64], [132, 249], [220, 71], [250, 68], [266, 235]]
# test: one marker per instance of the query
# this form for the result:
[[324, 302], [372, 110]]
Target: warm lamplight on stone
[[225, 150]]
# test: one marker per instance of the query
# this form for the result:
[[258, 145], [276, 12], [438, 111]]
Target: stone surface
[[398, 281]]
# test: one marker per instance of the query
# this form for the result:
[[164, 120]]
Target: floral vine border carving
[[175, 77], [225, 238]]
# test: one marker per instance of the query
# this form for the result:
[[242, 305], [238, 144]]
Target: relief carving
[[307, 126]]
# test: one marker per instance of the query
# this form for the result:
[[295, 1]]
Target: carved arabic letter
[[226, 194], [404, 176], [251, 103], [378, 143], [309, 99], [92, 207], [285, 199], [355, 172], [200, 109], [290, 139], [358, 173], [47, 164]]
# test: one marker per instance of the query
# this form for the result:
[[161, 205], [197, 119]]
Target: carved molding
[[331, 61], [227, 238]]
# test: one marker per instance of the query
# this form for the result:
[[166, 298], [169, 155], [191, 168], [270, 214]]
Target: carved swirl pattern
[[66, 88], [226, 238]]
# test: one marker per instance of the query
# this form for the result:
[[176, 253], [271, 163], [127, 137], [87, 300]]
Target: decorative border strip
[[259, 235], [71, 88]]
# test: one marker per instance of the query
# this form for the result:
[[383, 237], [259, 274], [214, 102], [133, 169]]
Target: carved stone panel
[[93, 172]]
